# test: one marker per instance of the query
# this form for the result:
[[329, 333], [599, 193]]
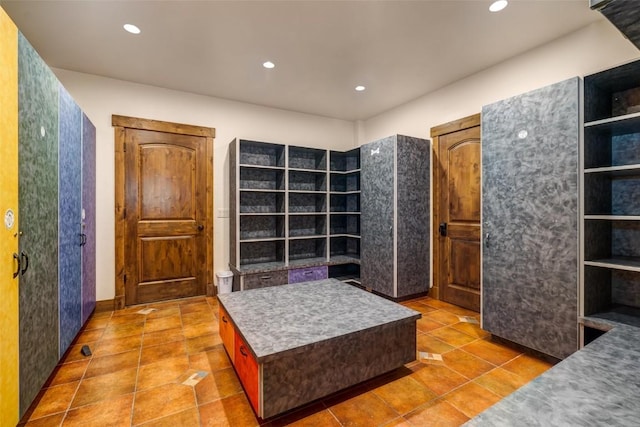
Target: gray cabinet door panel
[[377, 215], [38, 177], [529, 218]]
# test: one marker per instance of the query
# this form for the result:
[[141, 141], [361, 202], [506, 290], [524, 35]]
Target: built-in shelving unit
[[611, 211], [293, 207]]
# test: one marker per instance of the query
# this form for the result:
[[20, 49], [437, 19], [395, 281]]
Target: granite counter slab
[[290, 318], [598, 385]]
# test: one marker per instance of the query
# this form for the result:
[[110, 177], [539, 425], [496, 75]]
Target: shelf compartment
[[307, 158], [307, 225], [604, 147], [344, 224], [611, 195], [261, 227], [345, 272], [613, 92], [261, 202], [261, 153], [345, 182], [307, 203], [345, 161], [263, 252], [611, 239], [305, 249], [261, 179], [611, 293], [345, 246], [345, 202], [307, 181]]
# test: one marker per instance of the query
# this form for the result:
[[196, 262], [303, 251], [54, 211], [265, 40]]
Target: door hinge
[[124, 212], [124, 147]]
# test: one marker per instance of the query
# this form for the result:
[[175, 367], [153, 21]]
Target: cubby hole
[[261, 154], [307, 158], [261, 179], [345, 247], [345, 203], [605, 239], [307, 181], [345, 272], [591, 334], [307, 225], [612, 294], [261, 227], [308, 249], [345, 224], [606, 194], [604, 147], [345, 161], [270, 253], [611, 93], [261, 202], [345, 182], [301, 203]]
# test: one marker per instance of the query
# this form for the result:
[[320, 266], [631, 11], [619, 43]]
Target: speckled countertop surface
[[287, 318], [302, 263], [596, 386]]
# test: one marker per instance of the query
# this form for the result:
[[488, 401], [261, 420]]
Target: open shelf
[[626, 264], [307, 203], [261, 227], [307, 181], [262, 252], [305, 249], [625, 170], [261, 154], [307, 159], [261, 179], [261, 201], [304, 226], [345, 161]]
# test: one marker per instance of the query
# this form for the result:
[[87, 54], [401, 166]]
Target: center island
[[293, 344]]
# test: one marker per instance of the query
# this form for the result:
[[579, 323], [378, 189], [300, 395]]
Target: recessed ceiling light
[[360, 88], [131, 28], [268, 64], [498, 5]]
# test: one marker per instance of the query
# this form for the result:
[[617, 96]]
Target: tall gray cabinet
[[395, 218], [530, 214]]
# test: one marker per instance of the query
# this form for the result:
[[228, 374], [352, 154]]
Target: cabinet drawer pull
[[308, 273], [243, 351], [265, 277]]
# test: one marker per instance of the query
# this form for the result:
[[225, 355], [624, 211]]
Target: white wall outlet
[[223, 213]]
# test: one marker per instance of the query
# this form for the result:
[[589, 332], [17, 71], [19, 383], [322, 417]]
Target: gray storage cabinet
[[530, 218], [395, 216]]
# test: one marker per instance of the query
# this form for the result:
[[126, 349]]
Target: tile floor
[[140, 362]]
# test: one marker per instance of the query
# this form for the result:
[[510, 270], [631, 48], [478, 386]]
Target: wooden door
[[9, 407], [167, 208], [457, 213]]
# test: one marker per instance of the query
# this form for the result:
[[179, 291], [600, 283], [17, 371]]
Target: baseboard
[[105, 305]]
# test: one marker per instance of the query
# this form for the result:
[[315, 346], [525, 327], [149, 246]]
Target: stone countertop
[[302, 263], [598, 385], [289, 318]]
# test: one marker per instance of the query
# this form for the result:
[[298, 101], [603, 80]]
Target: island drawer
[[227, 333], [298, 275], [264, 280], [247, 370]]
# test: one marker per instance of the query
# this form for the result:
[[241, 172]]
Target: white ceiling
[[399, 50]]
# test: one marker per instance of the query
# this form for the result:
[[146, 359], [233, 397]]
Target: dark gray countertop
[[289, 318], [598, 385]]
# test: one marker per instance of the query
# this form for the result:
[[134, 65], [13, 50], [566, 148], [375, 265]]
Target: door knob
[[200, 227]]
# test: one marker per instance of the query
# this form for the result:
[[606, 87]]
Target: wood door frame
[[121, 124], [436, 133]]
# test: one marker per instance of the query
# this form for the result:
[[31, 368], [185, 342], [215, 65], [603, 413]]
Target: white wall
[[590, 49], [593, 48], [101, 97]]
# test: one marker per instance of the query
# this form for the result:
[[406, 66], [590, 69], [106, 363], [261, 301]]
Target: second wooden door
[[165, 216], [458, 233]]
